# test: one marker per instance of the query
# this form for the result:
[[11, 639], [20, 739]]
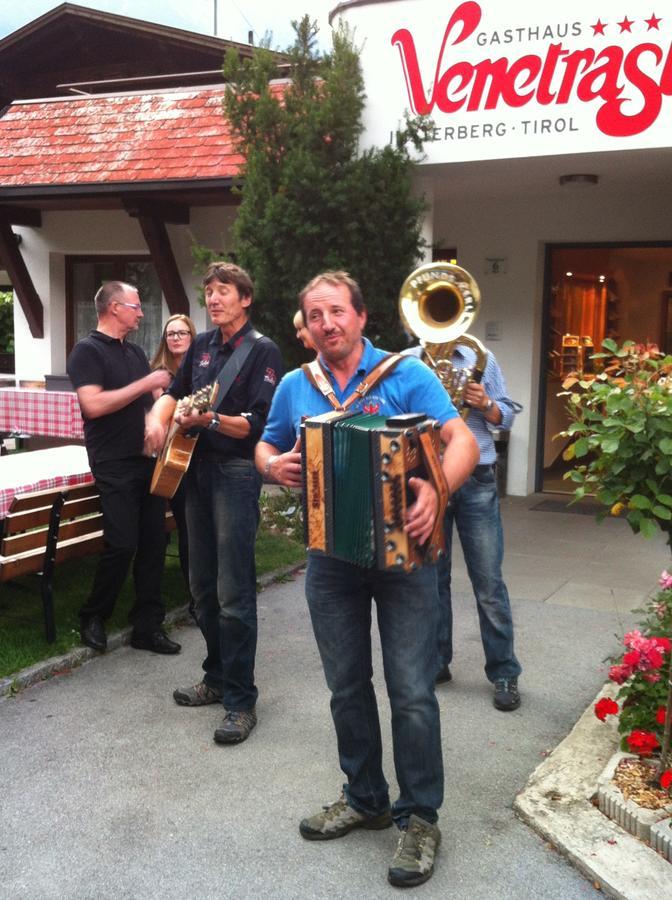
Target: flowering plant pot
[[643, 674]]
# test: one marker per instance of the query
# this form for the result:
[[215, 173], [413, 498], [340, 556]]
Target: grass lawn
[[22, 640]]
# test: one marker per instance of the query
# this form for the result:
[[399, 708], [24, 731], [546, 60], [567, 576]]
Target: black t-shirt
[[111, 363], [249, 396]]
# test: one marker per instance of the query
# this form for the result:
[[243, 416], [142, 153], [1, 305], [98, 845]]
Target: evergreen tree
[[310, 200]]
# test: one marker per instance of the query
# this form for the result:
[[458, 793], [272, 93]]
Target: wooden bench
[[45, 528]]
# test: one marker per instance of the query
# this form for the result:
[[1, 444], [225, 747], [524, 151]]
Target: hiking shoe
[[413, 861], [444, 676], [506, 694], [236, 727], [338, 819], [200, 694]]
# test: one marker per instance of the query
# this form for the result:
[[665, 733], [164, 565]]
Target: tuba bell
[[438, 303]]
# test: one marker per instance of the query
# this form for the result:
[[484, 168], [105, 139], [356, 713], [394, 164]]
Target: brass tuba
[[438, 303]]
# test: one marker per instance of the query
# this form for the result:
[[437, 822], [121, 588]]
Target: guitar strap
[[234, 364], [316, 376]]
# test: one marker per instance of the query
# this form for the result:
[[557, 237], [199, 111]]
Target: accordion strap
[[315, 375]]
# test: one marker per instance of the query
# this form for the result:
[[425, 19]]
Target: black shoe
[[156, 641], [92, 633], [506, 694], [444, 676]]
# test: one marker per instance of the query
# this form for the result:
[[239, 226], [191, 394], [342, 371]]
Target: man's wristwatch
[[213, 425], [488, 405]]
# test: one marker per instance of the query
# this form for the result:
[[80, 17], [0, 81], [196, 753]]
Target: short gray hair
[[107, 292]]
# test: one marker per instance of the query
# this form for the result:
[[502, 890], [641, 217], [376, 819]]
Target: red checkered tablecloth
[[41, 413], [40, 470]]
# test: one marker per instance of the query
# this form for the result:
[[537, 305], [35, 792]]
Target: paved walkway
[[110, 790]]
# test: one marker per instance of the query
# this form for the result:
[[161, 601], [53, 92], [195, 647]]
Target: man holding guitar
[[222, 490]]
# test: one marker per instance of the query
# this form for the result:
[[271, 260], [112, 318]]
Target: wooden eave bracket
[[152, 217], [13, 262]]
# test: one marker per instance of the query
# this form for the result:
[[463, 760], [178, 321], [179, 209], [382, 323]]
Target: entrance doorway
[[593, 292]]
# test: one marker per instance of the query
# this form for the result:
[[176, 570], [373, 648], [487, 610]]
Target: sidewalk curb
[[62, 665], [557, 804]]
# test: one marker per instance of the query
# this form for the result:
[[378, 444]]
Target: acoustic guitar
[[176, 455]]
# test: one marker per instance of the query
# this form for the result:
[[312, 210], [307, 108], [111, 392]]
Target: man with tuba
[[339, 593], [438, 302]]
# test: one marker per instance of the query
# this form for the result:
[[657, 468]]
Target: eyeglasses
[[135, 306], [177, 334]]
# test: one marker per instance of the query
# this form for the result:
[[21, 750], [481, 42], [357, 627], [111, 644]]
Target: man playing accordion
[[339, 593]]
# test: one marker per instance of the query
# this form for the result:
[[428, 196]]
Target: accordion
[[356, 469]]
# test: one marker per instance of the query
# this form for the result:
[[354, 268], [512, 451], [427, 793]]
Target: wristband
[[213, 424], [269, 462]]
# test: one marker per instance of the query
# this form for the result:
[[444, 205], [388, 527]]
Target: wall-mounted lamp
[[578, 180]]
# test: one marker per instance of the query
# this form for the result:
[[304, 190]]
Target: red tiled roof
[[123, 138]]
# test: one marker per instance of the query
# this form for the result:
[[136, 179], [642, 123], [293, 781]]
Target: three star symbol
[[626, 24]]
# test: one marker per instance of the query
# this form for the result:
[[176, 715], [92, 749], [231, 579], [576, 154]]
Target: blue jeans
[[339, 598], [222, 517], [475, 510]]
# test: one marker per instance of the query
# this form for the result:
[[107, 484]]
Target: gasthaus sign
[[504, 80]]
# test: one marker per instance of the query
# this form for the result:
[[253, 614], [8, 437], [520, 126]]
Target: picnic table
[[35, 411], [39, 470]]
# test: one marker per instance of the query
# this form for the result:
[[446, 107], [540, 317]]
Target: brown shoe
[[200, 694], [236, 727], [339, 818]]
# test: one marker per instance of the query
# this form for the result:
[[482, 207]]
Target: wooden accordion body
[[356, 469]]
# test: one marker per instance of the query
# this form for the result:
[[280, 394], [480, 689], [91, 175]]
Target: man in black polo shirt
[[114, 386], [222, 493]]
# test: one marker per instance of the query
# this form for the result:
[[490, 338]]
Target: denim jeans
[[475, 510], [222, 519], [339, 599]]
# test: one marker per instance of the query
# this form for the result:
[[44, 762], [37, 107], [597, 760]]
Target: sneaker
[[506, 694], [413, 861], [200, 694], [444, 676], [338, 819], [236, 727]]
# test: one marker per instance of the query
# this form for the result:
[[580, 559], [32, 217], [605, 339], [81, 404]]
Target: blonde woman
[[178, 333], [302, 332]]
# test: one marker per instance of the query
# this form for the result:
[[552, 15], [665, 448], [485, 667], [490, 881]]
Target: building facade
[[547, 177]]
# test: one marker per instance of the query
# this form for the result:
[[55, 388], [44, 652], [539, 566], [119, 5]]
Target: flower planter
[[661, 838], [629, 815]]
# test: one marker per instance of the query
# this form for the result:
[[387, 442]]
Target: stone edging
[[58, 665], [557, 803]]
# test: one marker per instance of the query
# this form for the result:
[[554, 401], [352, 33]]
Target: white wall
[[99, 232]]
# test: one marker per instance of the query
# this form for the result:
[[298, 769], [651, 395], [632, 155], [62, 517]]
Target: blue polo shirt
[[410, 388]]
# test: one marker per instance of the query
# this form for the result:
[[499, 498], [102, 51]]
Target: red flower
[[666, 779], [660, 716], [664, 643], [643, 743], [632, 658], [620, 674], [605, 707], [655, 658]]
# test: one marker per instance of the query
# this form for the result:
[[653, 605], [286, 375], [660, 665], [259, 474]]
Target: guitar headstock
[[200, 401]]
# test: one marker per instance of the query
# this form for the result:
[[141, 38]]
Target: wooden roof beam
[[22, 215], [158, 242], [22, 283], [164, 210]]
